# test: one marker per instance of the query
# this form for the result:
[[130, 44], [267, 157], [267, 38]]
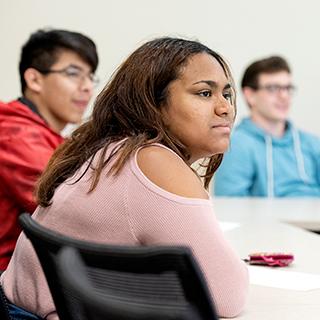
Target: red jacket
[[26, 144]]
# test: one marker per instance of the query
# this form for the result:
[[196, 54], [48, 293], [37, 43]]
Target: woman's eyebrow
[[228, 86], [213, 84]]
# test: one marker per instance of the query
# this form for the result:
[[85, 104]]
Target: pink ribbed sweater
[[129, 209]]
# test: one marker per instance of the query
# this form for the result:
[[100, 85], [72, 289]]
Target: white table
[[273, 303], [303, 212]]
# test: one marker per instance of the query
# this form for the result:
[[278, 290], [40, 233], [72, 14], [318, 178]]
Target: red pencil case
[[270, 259]]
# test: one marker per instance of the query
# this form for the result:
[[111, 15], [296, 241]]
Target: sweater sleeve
[[235, 175], [162, 218]]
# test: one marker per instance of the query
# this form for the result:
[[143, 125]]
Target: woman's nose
[[224, 108]]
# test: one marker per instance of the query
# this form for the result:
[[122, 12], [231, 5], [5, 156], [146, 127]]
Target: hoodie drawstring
[[299, 156], [269, 159]]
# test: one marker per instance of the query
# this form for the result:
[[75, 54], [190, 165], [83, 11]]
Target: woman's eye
[[228, 96], [206, 93]]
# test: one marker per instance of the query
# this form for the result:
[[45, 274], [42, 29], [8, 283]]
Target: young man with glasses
[[57, 80], [268, 156]]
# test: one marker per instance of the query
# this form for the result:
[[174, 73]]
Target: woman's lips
[[222, 126]]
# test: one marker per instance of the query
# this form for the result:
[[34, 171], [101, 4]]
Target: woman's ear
[[33, 79]]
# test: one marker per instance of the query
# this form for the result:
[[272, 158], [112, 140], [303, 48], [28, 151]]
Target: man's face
[[64, 95], [272, 99]]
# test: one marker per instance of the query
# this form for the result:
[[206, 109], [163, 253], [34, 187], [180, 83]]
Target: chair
[[157, 283], [119, 282], [4, 311]]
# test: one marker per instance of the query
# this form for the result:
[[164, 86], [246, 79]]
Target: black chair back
[[131, 282]]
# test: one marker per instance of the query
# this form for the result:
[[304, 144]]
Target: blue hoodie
[[261, 165]]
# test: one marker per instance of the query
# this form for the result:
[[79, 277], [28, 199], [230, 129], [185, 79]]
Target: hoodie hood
[[249, 126], [290, 137], [17, 108], [16, 115], [22, 112]]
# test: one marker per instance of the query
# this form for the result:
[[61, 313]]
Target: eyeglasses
[[75, 74], [276, 88]]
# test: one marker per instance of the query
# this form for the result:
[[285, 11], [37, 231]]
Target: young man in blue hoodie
[[268, 156]]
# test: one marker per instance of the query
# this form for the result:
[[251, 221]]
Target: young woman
[[124, 177]]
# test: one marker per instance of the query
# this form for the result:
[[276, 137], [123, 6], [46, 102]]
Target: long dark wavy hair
[[129, 107]]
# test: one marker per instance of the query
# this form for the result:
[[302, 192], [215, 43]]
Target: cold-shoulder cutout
[[169, 172]]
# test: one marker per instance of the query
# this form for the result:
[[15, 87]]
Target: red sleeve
[[23, 158]]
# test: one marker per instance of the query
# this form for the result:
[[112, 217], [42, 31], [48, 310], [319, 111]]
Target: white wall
[[241, 30]]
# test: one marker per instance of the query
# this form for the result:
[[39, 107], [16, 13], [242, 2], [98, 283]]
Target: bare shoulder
[[169, 172]]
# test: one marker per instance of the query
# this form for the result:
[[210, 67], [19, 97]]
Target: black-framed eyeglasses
[[75, 74], [276, 88]]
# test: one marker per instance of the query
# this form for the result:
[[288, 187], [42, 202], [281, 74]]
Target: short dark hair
[[42, 49], [271, 64]]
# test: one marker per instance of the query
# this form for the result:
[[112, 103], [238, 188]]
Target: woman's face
[[198, 110]]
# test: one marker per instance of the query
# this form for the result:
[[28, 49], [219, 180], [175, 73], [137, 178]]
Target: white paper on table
[[227, 226], [276, 278]]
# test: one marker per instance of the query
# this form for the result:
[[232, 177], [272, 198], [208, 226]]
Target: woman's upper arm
[[190, 222], [169, 172]]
